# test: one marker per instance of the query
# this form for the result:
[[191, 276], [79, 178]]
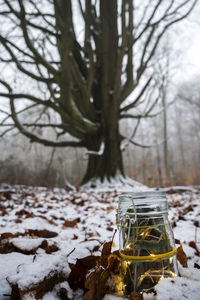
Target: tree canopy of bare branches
[[74, 63]]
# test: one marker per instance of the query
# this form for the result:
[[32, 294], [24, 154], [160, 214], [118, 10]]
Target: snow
[[94, 214], [27, 244], [178, 288], [118, 183], [28, 275]]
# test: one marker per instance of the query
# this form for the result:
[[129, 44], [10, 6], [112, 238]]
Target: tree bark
[[109, 164]]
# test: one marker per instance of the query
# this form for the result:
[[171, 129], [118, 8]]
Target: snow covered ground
[[44, 231]]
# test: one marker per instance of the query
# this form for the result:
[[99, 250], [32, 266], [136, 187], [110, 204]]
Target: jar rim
[[145, 194]]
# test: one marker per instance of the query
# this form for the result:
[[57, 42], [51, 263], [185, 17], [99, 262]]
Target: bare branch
[[144, 146], [132, 104]]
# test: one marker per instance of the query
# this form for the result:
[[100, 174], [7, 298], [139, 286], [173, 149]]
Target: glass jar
[[147, 247]]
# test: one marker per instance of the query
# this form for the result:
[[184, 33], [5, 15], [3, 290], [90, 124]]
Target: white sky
[[188, 41]]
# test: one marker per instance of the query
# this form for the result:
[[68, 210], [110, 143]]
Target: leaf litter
[[57, 244]]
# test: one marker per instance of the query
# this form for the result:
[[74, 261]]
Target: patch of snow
[[27, 243], [178, 288], [9, 264], [118, 183], [30, 274]]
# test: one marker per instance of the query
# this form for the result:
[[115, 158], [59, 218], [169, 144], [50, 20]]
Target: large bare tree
[[86, 57]]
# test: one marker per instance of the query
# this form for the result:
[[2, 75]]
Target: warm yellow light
[[174, 274], [171, 260], [128, 247], [153, 255]]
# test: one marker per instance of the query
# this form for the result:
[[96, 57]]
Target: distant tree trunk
[[180, 138], [109, 163], [165, 145]]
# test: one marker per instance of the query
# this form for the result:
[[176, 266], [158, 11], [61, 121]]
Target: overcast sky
[[188, 38]]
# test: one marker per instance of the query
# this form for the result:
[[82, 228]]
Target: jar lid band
[[150, 257]]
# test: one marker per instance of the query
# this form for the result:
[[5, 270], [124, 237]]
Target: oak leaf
[[106, 251], [78, 274], [181, 256]]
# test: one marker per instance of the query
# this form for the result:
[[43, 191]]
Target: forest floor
[[51, 239]]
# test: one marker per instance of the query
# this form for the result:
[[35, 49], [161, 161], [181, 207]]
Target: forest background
[[166, 149]]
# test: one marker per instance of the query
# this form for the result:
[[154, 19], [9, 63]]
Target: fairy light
[[128, 247], [153, 255], [161, 277]]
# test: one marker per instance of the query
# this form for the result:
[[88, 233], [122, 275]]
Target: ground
[[44, 231]]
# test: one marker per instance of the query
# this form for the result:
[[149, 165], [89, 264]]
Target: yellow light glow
[[128, 247], [153, 255], [161, 277], [171, 260]]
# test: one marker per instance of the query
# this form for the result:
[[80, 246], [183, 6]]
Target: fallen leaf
[[106, 251], [194, 246], [7, 195], [52, 248], [21, 212], [15, 293], [92, 286], [110, 208], [78, 274], [7, 235], [177, 241], [187, 209], [71, 224], [63, 294], [197, 223], [181, 256], [197, 266], [39, 289], [42, 233], [135, 296]]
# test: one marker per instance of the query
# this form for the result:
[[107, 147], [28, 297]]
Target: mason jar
[[146, 241]]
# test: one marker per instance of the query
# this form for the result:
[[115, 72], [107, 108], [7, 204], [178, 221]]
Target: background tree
[[81, 77]]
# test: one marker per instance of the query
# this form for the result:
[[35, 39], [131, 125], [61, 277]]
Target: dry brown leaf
[[54, 198], [42, 233], [3, 211], [21, 212], [7, 235], [92, 285], [15, 293], [106, 251], [110, 208], [63, 294], [96, 283], [71, 224], [194, 246], [177, 241], [7, 195], [78, 274], [197, 266], [187, 209], [135, 296], [181, 256], [39, 289], [52, 248], [29, 215]]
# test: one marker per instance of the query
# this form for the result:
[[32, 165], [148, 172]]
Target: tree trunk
[[109, 164], [107, 98]]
